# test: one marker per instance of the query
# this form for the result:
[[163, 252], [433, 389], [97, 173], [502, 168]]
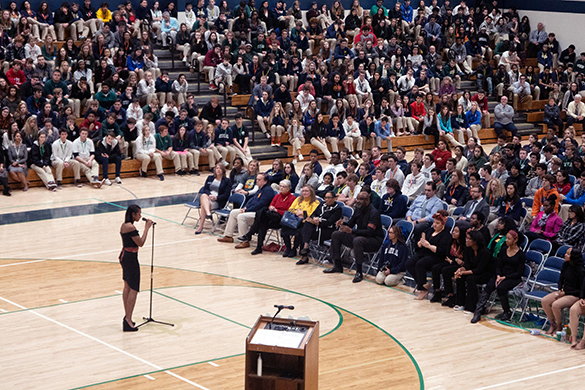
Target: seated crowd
[[484, 245]]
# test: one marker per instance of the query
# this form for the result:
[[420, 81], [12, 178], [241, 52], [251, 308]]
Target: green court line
[[201, 309], [158, 371], [421, 379]]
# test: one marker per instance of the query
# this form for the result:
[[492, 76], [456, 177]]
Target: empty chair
[[193, 205], [386, 221], [554, 262], [537, 258], [562, 250], [542, 246]]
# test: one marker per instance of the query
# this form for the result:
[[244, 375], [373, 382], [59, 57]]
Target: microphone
[[154, 223], [280, 307]]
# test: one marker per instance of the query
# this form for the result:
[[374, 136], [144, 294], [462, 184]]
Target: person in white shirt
[[352, 134], [145, 122], [62, 157], [84, 154], [428, 165], [212, 12], [414, 184], [134, 111], [145, 151], [394, 171], [305, 98], [362, 87], [379, 183], [334, 168], [190, 17], [350, 193], [146, 90]]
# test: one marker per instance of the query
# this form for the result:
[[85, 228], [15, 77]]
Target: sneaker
[[107, 182], [294, 161], [78, 183], [268, 135], [118, 180], [161, 177], [195, 172], [356, 156], [301, 158], [273, 144], [59, 185], [467, 312], [184, 60], [221, 88], [212, 87], [458, 308], [142, 173], [225, 163]]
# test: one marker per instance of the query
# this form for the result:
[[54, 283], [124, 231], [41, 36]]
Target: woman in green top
[[504, 225]]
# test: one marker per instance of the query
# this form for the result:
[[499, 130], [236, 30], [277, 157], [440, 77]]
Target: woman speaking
[[131, 241]]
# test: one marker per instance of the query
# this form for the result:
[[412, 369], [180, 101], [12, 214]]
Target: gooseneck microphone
[[144, 219], [280, 308]]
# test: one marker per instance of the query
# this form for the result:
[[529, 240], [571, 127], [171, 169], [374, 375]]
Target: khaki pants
[[212, 154], [475, 131], [146, 159], [210, 72], [72, 28], [527, 103], [296, 143], [333, 142], [59, 166], [44, 174], [90, 172], [247, 156], [564, 211], [186, 159], [349, 141], [224, 150], [276, 131], [459, 133], [164, 97], [449, 137], [244, 221], [174, 157], [390, 280], [263, 124], [47, 29], [322, 146]]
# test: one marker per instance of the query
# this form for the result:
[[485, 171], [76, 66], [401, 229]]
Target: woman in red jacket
[[441, 154], [269, 218]]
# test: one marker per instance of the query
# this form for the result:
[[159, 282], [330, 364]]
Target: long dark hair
[[476, 237], [576, 258], [130, 211], [516, 197]]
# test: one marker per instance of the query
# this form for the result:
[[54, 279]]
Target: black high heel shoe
[[127, 328]]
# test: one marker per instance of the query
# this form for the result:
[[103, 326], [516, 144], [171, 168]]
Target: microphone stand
[[149, 318], [278, 311]]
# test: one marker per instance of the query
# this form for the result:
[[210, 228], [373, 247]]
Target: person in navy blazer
[[214, 194]]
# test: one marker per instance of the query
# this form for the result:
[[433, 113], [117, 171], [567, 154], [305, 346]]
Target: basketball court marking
[[531, 377], [104, 343]]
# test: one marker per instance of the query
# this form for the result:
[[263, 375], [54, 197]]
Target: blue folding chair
[[458, 211], [346, 213], [224, 213], [372, 258], [193, 205], [339, 203], [445, 206], [522, 242], [543, 284], [450, 224], [562, 250], [572, 180], [554, 262], [407, 229], [386, 221], [542, 246], [527, 202], [537, 258], [523, 214]]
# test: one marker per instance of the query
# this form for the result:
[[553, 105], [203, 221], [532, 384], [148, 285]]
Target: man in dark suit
[[475, 204]]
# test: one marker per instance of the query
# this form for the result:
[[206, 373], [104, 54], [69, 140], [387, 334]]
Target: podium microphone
[[144, 219], [280, 308]]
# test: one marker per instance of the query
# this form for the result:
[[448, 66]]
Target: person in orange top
[[543, 193]]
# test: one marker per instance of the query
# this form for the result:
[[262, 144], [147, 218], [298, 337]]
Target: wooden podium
[[289, 351]]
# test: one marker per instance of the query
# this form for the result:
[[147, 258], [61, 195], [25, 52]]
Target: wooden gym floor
[[61, 310]]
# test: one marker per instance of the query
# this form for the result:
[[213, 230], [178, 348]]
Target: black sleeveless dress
[[129, 260]]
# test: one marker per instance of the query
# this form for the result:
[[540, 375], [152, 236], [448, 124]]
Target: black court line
[[90, 209]]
